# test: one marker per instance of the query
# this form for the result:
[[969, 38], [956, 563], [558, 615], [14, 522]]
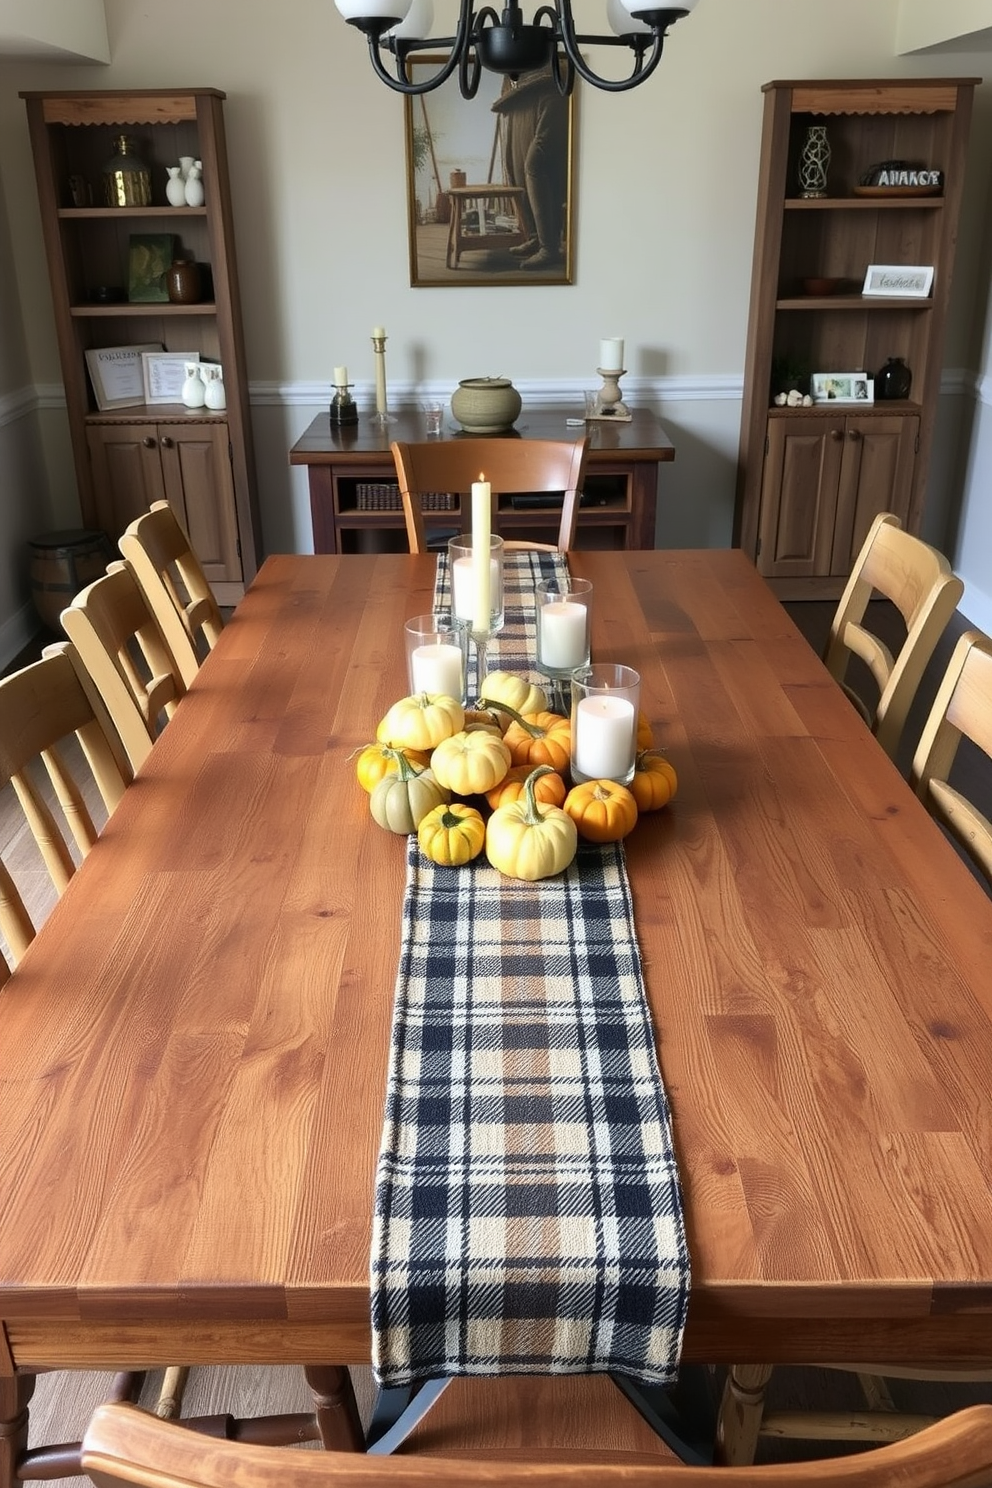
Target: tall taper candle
[[481, 532], [379, 347]]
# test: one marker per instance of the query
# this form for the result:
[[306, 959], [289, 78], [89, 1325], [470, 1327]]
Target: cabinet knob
[[836, 434], [166, 442], [854, 433], [148, 442]]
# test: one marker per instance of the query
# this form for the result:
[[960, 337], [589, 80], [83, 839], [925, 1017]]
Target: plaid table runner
[[528, 1214]]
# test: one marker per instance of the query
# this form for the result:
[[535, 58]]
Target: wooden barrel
[[62, 563]]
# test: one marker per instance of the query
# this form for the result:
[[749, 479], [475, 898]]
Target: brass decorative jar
[[127, 180], [485, 405]]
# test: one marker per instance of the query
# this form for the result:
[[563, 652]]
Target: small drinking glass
[[435, 656], [432, 411], [563, 616], [605, 704]]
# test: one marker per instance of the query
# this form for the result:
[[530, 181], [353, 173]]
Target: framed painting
[[490, 181]]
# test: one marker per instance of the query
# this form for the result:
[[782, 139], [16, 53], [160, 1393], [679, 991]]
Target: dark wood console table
[[348, 468]]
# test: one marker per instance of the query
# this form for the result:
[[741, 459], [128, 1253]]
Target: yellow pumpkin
[[645, 733], [401, 801], [655, 781], [602, 810], [538, 738], [451, 835], [377, 760], [549, 788], [516, 691], [528, 840], [421, 721], [470, 764]]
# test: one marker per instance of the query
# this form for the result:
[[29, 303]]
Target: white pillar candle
[[379, 334], [463, 589], [563, 634], [481, 566], [340, 377], [604, 737], [611, 354], [437, 668]]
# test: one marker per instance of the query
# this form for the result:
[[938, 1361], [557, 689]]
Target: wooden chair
[[169, 575], [963, 705], [124, 1446], [512, 467], [919, 582], [122, 648], [41, 706]]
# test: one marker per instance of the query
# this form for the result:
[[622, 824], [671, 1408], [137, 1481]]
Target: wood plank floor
[[63, 1402]]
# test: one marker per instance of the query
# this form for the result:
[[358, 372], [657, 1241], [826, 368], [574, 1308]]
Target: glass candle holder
[[476, 588], [563, 614], [605, 704], [435, 656]]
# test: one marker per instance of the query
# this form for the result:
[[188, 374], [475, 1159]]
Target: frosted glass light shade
[[620, 20], [418, 22], [352, 8]]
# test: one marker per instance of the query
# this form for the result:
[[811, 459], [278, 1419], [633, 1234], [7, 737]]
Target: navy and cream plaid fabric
[[528, 1213]]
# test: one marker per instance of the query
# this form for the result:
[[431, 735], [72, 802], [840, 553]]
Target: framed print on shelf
[[163, 374], [116, 374], [489, 181], [149, 258], [842, 387], [899, 281]]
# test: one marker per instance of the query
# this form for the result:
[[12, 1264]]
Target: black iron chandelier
[[505, 43]]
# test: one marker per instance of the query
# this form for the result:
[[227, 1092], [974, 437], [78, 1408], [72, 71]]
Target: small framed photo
[[899, 281], [842, 387], [149, 258], [117, 376], [164, 373]]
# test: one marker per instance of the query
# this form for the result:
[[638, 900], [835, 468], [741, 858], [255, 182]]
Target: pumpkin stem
[[533, 815], [405, 768], [535, 730]]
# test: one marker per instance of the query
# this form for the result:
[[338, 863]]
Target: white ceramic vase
[[194, 187], [194, 393], [175, 191], [215, 396]]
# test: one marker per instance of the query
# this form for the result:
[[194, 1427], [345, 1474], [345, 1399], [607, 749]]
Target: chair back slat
[[158, 551], [511, 466]]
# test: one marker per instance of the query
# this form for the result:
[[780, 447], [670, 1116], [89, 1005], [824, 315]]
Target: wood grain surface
[[194, 1048]]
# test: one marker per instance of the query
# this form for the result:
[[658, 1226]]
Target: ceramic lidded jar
[[182, 280], [485, 405]]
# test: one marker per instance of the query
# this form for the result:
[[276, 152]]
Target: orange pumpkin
[[539, 739], [601, 810], [655, 781], [548, 789]]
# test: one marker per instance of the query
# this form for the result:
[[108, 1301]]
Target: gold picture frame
[[475, 215]]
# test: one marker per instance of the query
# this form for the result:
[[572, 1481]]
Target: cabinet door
[[799, 496], [876, 475], [127, 473], [199, 485]]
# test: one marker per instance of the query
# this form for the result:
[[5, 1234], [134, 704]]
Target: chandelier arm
[[402, 50], [639, 45]]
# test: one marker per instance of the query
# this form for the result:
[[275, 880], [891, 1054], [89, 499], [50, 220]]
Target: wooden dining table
[[193, 1051]]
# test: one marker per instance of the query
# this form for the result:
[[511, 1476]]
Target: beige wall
[[664, 197]]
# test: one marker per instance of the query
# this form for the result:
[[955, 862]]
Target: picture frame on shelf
[[150, 256], [163, 374], [842, 387], [117, 376], [898, 281]]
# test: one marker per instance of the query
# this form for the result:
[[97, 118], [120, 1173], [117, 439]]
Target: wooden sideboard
[[348, 468]]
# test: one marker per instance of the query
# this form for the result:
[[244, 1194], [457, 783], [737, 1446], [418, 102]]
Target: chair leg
[[170, 1397], [876, 1392], [741, 1409]]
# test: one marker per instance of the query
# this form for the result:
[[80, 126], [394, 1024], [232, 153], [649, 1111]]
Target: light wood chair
[[124, 1446], [919, 582], [963, 706], [42, 706], [169, 574], [511, 466], [122, 648]]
